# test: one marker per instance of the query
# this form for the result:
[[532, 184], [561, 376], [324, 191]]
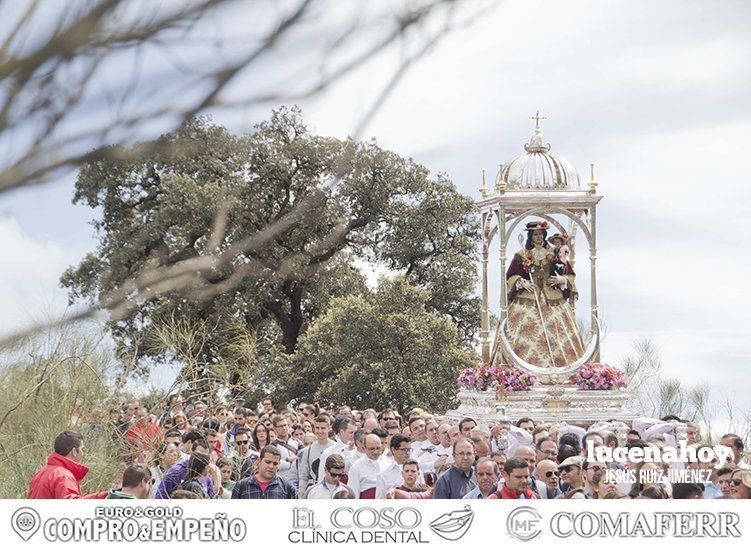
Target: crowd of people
[[196, 450]]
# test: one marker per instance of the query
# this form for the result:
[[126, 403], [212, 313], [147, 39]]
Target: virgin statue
[[541, 326]]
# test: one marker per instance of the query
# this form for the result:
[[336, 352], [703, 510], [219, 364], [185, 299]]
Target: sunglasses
[[389, 419], [569, 468], [242, 442], [336, 474], [737, 482], [550, 473]]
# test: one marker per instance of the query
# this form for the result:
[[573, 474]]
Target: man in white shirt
[[444, 452], [345, 428], [391, 477], [735, 443], [332, 480], [364, 472], [426, 452], [417, 430]]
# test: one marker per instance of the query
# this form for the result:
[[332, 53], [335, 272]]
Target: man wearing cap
[[570, 473]]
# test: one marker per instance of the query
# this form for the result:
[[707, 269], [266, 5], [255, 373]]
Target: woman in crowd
[[654, 492], [226, 467], [180, 422], [740, 484], [298, 433], [221, 413], [261, 437], [198, 468], [616, 495], [603, 483], [646, 476], [167, 454]]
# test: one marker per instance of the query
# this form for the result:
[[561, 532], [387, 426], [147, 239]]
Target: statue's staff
[[542, 319]]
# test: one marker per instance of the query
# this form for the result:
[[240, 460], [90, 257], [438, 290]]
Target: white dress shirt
[[391, 478], [364, 473], [342, 449]]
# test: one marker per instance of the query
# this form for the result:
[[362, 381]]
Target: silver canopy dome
[[538, 169]]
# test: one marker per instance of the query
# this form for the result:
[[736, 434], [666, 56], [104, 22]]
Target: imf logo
[[523, 523]]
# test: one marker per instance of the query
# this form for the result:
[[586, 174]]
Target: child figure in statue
[[561, 260]]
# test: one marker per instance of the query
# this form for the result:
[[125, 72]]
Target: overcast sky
[[654, 93]]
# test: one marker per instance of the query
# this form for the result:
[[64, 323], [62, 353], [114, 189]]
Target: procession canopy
[[532, 217], [538, 329]]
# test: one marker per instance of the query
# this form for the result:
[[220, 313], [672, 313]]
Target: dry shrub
[[52, 383]]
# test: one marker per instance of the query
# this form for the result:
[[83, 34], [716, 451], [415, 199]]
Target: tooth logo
[[25, 522], [454, 525]]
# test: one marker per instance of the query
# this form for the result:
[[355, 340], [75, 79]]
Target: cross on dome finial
[[537, 142], [537, 119]]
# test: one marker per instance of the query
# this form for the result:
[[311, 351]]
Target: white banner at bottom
[[373, 522]]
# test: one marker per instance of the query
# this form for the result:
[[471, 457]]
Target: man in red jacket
[[60, 478], [515, 481], [143, 436]]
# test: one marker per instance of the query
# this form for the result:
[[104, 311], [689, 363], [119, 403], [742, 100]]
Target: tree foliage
[[390, 349], [203, 191]]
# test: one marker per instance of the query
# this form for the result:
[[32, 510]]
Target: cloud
[[28, 277]]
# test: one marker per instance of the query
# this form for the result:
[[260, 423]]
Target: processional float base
[[544, 404]]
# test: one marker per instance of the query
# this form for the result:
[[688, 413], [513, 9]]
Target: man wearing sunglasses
[[546, 479], [570, 473], [386, 415], [332, 480], [241, 454]]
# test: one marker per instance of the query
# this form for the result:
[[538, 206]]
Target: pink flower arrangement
[[514, 379], [486, 377], [597, 377]]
